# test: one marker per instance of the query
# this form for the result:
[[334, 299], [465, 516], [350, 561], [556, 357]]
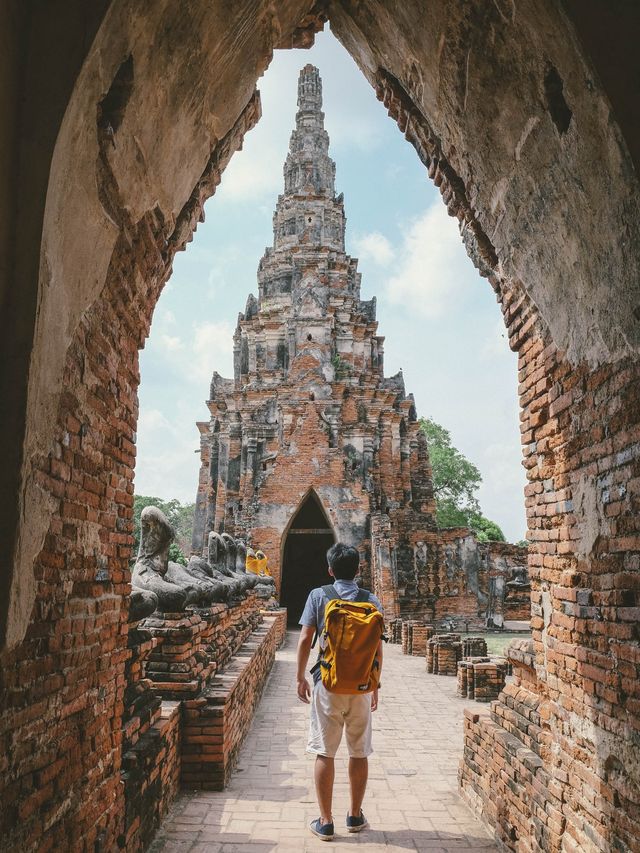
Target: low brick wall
[[414, 634], [474, 647], [217, 721], [176, 657], [503, 773], [151, 777], [281, 623]]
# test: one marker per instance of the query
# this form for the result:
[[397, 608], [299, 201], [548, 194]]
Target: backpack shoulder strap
[[330, 591], [363, 595], [331, 594]]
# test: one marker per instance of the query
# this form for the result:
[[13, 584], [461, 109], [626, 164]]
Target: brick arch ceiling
[[507, 114]]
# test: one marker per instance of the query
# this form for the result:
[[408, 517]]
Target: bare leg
[[358, 774], [324, 774]]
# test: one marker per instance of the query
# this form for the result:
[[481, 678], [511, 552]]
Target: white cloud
[[151, 420], [255, 173], [434, 269], [212, 350], [172, 343], [374, 247], [168, 465], [501, 494]]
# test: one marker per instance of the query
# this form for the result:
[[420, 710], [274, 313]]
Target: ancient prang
[[310, 442]]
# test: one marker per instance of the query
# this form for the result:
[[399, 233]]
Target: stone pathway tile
[[411, 803]]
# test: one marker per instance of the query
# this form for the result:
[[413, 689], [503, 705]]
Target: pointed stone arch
[[305, 541]]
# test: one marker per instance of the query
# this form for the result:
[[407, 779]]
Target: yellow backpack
[[351, 635]]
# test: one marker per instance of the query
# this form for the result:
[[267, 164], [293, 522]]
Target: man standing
[[331, 712]]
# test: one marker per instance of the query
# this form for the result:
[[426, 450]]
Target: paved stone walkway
[[411, 802]]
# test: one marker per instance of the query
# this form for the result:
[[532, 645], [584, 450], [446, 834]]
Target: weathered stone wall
[[446, 574], [478, 582], [578, 379], [305, 458], [63, 685], [583, 519], [175, 661], [503, 774]]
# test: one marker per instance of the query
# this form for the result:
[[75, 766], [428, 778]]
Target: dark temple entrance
[[304, 563]]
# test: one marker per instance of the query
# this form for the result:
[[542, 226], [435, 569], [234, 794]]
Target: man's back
[[313, 613]]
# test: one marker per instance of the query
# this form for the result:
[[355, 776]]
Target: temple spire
[[308, 170], [309, 93]]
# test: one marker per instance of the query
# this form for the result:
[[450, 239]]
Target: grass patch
[[497, 642]]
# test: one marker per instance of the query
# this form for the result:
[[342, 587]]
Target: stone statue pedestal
[[229, 627], [178, 666], [196, 644], [141, 704]]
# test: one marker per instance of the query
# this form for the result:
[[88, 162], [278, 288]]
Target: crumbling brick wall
[[578, 686], [481, 583], [63, 686]]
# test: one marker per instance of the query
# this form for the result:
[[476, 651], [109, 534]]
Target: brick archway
[[515, 127]]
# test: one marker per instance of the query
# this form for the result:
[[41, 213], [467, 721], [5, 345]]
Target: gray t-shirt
[[313, 613]]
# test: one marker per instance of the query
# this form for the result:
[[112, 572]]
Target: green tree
[[455, 482], [180, 516], [485, 529]]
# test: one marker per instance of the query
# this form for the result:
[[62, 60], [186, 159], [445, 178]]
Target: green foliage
[[180, 516], [449, 515], [176, 555], [485, 530], [523, 543], [455, 481]]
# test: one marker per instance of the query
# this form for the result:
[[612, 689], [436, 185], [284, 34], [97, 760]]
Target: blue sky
[[440, 319]]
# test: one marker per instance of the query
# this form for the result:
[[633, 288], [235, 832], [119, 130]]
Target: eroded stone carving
[[198, 568], [142, 602], [154, 576], [150, 570], [218, 561]]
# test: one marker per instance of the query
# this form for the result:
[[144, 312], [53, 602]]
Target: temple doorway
[[304, 562]]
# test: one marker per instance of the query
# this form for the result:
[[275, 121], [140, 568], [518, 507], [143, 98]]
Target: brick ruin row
[[479, 676], [310, 442], [117, 124]]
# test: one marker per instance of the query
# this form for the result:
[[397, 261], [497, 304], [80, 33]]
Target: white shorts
[[330, 713]]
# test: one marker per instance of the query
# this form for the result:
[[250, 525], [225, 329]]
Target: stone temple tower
[[310, 442]]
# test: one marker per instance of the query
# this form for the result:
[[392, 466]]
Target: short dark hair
[[343, 561]]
